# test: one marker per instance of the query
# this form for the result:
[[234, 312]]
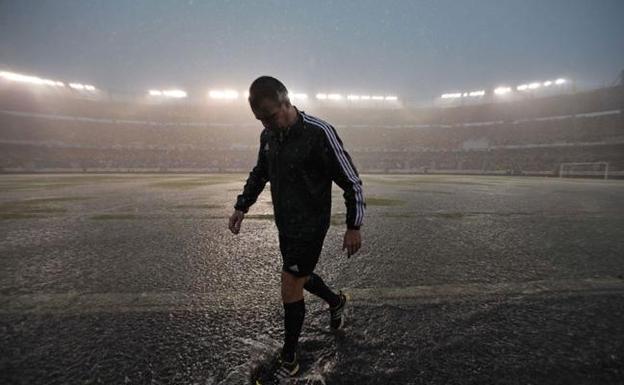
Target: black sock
[[316, 286], [294, 313]]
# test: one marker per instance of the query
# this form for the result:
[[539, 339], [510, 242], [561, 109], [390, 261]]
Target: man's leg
[[317, 286], [294, 312]]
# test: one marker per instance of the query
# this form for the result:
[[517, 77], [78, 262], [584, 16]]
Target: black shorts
[[300, 255]]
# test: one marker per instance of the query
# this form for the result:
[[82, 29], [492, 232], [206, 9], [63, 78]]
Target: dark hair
[[267, 88]]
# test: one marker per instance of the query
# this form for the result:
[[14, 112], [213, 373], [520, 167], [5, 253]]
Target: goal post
[[584, 170]]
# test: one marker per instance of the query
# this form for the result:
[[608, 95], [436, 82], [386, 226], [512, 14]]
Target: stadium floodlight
[[560, 81], [477, 93], [82, 87], [522, 87], [365, 97], [11, 76], [174, 93], [168, 93], [353, 97], [299, 96], [20, 78], [391, 98], [377, 98], [547, 83], [453, 95], [230, 94], [503, 90], [334, 97], [535, 85], [321, 96], [54, 83], [223, 94]]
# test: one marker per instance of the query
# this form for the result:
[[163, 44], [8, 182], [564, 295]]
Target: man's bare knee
[[292, 287]]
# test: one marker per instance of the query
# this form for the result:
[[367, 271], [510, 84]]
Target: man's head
[[268, 99]]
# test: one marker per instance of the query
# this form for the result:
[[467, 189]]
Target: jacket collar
[[293, 130], [298, 126]]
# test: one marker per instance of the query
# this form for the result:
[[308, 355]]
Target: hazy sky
[[416, 49]]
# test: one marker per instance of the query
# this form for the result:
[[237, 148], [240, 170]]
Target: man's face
[[273, 115]]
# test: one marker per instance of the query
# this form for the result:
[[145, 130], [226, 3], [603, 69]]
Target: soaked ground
[[135, 279]]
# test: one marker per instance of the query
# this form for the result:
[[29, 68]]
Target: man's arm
[[344, 173], [258, 177]]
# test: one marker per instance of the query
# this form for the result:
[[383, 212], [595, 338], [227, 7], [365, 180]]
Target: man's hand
[[352, 242], [235, 221]]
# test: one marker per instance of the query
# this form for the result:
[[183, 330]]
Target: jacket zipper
[[277, 166]]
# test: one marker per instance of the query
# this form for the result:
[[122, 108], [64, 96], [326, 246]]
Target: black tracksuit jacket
[[301, 164]]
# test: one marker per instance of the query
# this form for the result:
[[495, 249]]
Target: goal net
[[584, 170]]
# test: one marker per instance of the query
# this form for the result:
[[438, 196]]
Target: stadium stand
[[533, 136]]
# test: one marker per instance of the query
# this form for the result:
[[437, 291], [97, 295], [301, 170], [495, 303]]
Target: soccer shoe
[[336, 313], [284, 370]]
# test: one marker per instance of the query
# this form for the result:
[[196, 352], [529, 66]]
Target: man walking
[[300, 155]]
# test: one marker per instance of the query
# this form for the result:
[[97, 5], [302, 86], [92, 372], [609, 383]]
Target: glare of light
[[477, 93], [365, 97], [353, 97], [453, 95], [299, 96], [79, 86], [246, 94], [21, 78], [522, 87], [230, 94], [155, 93], [174, 93], [321, 96], [377, 98], [334, 97], [10, 76], [548, 83], [465, 94], [535, 85], [560, 81], [502, 90], [15, 77], [391, 98], [223, 94]]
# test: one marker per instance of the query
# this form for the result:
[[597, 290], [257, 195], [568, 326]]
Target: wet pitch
[[136, 279]]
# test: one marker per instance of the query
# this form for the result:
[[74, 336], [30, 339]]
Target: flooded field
[[461, 279]]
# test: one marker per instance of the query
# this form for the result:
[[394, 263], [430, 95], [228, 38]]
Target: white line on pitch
[[74, 302]]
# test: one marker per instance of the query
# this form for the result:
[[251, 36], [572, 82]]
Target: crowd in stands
[[527, 136]]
